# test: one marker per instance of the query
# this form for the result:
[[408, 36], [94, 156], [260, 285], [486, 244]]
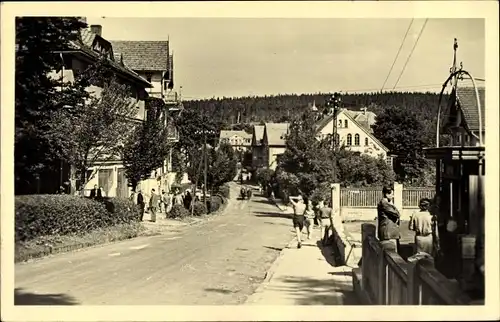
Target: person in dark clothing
[[96, 193], [141, 204], [187, 200], [388, 218]]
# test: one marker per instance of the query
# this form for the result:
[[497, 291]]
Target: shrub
[[178, 211], [199, 208], [215, 203], [44, 215], [224, 190], [125, 209]]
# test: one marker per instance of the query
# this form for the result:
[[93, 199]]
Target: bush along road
[[50, 224], [221, 261]]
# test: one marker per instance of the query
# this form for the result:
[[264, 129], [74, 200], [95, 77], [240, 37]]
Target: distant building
[[239, 140], [258, 152], [107, 172], [274, 143], [354, 132]]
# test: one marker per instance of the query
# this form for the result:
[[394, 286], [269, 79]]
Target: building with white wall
[[354, 132]]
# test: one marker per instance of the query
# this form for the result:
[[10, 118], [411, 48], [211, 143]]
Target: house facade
[[274, 143], [258, 155], [82, 52], [239, 140], [153, 61], [354, 132]]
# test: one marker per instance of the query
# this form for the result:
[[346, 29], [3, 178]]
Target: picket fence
[[370, 196]]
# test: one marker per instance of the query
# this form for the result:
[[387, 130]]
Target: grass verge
[[47, 245]]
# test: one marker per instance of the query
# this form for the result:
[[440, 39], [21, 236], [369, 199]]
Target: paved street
[[218, 262]]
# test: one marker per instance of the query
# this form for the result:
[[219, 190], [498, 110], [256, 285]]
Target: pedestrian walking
[[154, 202], [324, 216], [309, 215], [388, 219], [187, 200], [424, 226], [141, 204], [298, 217]]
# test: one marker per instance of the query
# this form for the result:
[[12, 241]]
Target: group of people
[[422, 222], [305, 214], [161, 203]]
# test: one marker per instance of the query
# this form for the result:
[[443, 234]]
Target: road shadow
[[264, 201], [25, 298], [272, 215], [218, 290], [311, 291], [327, 252], [274, 248]]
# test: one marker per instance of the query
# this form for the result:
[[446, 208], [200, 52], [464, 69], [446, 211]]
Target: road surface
[[220, 262]]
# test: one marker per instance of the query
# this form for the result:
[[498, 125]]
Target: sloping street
[[218, 262]]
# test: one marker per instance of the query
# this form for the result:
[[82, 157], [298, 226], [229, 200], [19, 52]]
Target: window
[[340, 123], [356, 139], [337, 138], [149, 76], [366, 141], [345, 123], [349, 139], [388, 160]]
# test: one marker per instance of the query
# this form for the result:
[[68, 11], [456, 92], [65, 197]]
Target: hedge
[[46, 215], [178, 211], [224, 190], [215, 203], [199, 208]]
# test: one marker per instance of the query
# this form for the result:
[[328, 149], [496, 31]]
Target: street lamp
[[204, 132], [334, 105]]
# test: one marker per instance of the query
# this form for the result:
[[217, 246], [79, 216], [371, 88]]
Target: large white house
[[354, 132], [239, 140]]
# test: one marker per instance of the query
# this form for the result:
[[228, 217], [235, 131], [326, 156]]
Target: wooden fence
[[412, 195], [387, 279], [370, 197]]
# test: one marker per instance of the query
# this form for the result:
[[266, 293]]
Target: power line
[[397, 55], [411, 53]]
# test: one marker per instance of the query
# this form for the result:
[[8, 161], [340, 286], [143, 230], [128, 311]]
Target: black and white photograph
[[195, 158]]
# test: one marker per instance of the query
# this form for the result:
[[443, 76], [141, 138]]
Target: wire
[[397, 55], [411, 52]]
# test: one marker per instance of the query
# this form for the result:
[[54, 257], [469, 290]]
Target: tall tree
[[36, 95], [405, 135], [305, 156], [146, 150], [94, 130]]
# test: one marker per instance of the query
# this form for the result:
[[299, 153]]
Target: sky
[[233, 57]]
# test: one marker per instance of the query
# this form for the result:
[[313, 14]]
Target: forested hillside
[[284, 107]]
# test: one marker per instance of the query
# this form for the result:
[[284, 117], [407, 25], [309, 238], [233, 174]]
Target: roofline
[[94, 57], [360, 126]]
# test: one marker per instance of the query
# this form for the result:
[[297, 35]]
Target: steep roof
[[258, 132], [366, 119], [276, 133], [325, 121], [84, 45], [468, 103], [143, 55], [225, 134]]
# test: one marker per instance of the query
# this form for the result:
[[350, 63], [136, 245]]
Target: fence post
[[398, 196], [413, 293], [367, 230]]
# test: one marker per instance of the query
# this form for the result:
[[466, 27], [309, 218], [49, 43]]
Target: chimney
[[96, 29]]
